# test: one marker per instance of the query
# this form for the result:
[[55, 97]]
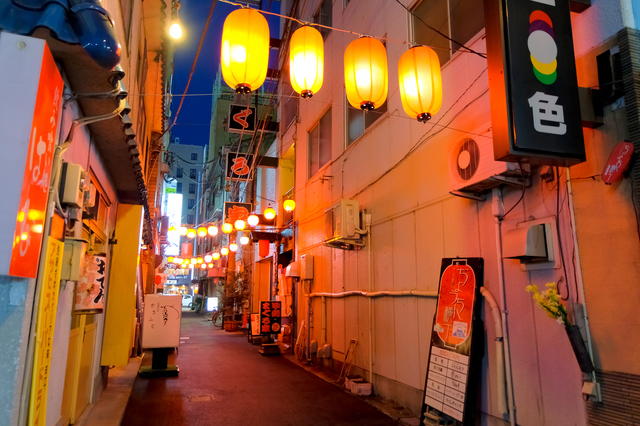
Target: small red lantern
[[263, 248], [186, 249]]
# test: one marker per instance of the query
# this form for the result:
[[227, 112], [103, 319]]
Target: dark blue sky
[[192, 126]]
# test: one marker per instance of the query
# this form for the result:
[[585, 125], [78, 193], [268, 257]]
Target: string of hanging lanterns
[[245, 54]]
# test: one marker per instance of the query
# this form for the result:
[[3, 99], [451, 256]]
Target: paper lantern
[[207, 258], [244, 240], [216, 256], [170, 259], [420, 82], [227, 228], [183, 230], [233, 247], [202, 231], [203, 266], [269, 213], [224, 251], [253, 220], [289, 205], [193, 261], [240, 224], [365, 73], [245, 50], [212, 230], [191, 233], [199, 260], [186, 249], [263, 248], [172, 229], [306, 61], [210, 265]]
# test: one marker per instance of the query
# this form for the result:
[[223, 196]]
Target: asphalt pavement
[[223, 380]]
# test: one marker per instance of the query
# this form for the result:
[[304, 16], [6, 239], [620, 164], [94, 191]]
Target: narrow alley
[[223, 380]]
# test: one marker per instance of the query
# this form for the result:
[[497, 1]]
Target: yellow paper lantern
[[212, 230], [210, 265], [253, 220], [224, 251], [306, 61], [233, 247], [193, 261], [227, 228], [191, 233], [202, 231], [365, 73], [289, 205], [244, 240], [245, 50], [240, 224], [199, 260], [172, 229], [420, 82], [203, 266], [216, 256], [207, 258], [183, 230], [269, 213], [191, 266]]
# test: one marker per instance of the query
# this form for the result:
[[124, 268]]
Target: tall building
[[186, 166]]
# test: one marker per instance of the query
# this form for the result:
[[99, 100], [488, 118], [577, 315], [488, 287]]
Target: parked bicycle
[[216, 319]]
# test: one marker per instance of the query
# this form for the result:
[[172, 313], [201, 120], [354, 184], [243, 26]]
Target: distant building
[[186, 164]]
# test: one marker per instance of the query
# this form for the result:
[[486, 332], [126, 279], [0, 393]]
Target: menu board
[[270, 313], [161, 326], [448, 388]]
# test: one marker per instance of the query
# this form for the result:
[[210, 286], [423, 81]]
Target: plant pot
[[231, 325], [579, 349]]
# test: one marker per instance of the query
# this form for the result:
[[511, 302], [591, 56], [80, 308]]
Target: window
[[179, 188], [192, 173], [179, 173], [320, 144], [323, 17], [190, 218], [358, 121], [127, 9], [194, 156], [190, 203], [458, 19], [192, 188]]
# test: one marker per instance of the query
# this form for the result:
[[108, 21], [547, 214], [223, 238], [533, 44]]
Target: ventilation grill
[[466, 159]]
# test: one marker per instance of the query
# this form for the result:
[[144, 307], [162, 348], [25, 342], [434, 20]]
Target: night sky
[[192, 126]]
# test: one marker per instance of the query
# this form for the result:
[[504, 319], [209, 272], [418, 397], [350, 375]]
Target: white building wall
[[416, 222]]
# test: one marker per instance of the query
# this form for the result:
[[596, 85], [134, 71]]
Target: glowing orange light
[[37, 228], [199, 260], [216, 256], [253, 220], [289, 205], [207, 258], [269, 213], [23, 236], [224, 251], [202, 231], [183, 230], [240, 224], [212, 230], [306, 61], [233, 247], [227, 228], [170, 259], [191, 233], [20, 216], [210, 265], [420, 82], [365, 73], [244, 240]]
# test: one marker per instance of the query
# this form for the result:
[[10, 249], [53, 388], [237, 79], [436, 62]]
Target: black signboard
[[535, 111], [239, 166], [454, 352], [242, 119], [234, 211], [270, 313]]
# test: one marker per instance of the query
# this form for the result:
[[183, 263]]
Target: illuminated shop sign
[[535, 110]]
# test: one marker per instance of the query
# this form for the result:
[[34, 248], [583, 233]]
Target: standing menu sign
[[270, 313], [450, 381]]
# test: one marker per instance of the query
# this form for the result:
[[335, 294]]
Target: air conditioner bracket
[[514, 181], [470, 195]]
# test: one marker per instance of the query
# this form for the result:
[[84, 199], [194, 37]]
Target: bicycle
[[216, 319]]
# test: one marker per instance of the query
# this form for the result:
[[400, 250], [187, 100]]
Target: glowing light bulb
[[193, 261], [183, 230], [175, 31], [240, 224], [202, 231], [204, 266], [233, 247], [210, 265], [207, 258], [269, 213], [289, 205], [191, 233], [224, 251], [227, 228], [253, 220], [212, 230], [244, 240], [199, 260], [170, 259], [216, 256]]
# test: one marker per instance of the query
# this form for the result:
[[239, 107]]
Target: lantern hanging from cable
[[203, 266], [244, 240], [240, 224], [172, 229], [253, 220], [170, 259], [233, 247], [365, 73], [227, 228], [212, 230], [224, 251], [263, 248], [207, 258], [199, 260], [210, 265], [216, 256], [186, 249], [202, 231], [191, 233], [245, 50], [289, 205], [183, 230], [420, 82], [306, 61], [269, 213]]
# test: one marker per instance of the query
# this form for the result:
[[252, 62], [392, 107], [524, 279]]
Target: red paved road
[[225, 381]]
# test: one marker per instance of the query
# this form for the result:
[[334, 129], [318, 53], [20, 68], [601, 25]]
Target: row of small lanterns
[[227, 228], [245, 57]]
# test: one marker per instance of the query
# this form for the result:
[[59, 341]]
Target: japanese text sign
[[242, 119], [234, 211], [449, 368], [535, 110], [270, 313], [617, 163], [239, 166], [90, 291], [27, 237]]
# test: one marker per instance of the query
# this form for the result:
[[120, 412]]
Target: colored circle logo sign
[[542, 47]]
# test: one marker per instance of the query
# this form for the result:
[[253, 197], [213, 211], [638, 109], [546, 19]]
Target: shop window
[[179, 188], [95, 216], [320, 144], [192, 188], [460, 20], [179, 173], [192, 173], [194, 156], [323, 17], [127, 12]]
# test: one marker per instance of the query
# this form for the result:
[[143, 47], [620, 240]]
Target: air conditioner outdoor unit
[[472, 168], [342, 225]]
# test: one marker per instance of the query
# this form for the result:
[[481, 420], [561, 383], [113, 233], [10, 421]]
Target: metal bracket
[[469, 195], [519, 182]]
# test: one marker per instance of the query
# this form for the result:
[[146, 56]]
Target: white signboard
[[174, 212], [161, 326]]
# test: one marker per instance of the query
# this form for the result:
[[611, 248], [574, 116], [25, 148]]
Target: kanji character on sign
[[547, 116]]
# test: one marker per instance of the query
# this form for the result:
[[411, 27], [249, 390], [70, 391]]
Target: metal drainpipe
[[308, 323], [370, 256]]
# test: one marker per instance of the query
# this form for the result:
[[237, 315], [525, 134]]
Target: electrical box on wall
[[306, 267], [72, 185]]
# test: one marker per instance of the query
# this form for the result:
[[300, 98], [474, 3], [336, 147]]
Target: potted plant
[[550, 302], [233, 295]]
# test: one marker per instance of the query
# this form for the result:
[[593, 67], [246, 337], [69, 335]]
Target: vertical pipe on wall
[[497, 319], [370, 256]]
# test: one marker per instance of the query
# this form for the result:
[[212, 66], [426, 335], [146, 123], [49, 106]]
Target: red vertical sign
[[27, 238]]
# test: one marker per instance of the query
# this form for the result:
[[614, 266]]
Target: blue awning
[[74, 22]]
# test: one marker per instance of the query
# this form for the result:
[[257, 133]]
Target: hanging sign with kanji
[[535, 114], [239, 166], [270, 313], [242, 119], [449, 388], [236, 211], [90, 290]]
